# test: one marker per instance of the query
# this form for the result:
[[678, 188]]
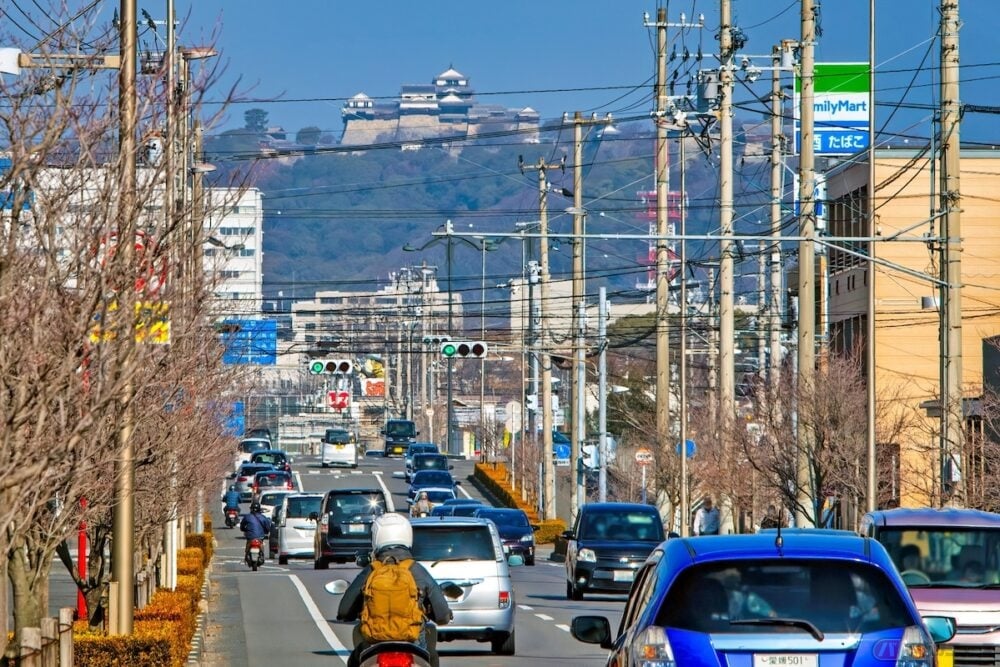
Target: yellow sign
[[152, 323]]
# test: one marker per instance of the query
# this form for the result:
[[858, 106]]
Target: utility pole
[[602, 390], [807, 262], [774, 304], [951, 206], [871, 496], [123, 517], [543, 341], [682, 362], [578, 435], [727, 325]]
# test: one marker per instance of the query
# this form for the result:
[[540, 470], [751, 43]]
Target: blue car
[[803, 598]]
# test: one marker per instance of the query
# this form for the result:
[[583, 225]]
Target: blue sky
[[555, 56]]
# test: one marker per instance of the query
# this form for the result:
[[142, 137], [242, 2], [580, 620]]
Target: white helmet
[[391, 529]]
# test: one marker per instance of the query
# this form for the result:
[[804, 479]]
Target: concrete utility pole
[[123, 518], [602, 390], [682, 362], [871, 495], [774, 304], [543, 341], [951, 206], [578, 435], [727, 325], [807, 261]]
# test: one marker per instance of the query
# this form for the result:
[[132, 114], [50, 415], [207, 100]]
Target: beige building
[[908, 260]]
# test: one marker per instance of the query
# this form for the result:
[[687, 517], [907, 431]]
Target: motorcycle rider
[[421, 506], [255, 525], [392, 539], [231, 499]]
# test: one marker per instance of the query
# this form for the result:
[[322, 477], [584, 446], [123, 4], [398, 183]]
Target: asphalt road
[[283, 615]]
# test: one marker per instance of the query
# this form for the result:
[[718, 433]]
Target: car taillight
[[504, 600], [289, 485], [651, 648], [324, 520], [242, 479], [395, 659], [915, 649]]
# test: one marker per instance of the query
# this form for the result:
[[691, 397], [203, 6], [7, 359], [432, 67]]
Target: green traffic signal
[[449, 349], [316, 367]]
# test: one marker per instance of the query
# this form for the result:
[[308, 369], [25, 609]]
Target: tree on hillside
[[308, 136], [255, 120]]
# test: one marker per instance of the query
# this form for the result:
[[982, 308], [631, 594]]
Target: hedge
[[202, 541], [149, 645], [174, 610], [494, 478]]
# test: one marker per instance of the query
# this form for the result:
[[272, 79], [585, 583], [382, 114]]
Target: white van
[[339, 449]]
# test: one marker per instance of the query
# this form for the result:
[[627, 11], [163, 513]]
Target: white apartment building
[[233, 251]]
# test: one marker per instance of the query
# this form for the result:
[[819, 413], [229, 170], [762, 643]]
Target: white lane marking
[[317, 616], [464, 492], [298, 481], [525, 607], [385, 490], [563, 627], [544, 617]]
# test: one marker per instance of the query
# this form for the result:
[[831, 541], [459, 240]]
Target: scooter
[[255, 554], [232, 517]]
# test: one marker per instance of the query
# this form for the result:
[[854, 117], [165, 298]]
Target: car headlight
[[586, 556], [651, 648], [530, 537], [915, 649]]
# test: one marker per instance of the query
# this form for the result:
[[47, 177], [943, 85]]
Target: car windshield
[[505, 519], [753, 596], [472, 542], [251, 446], [935, 556], [438, 496], [401, 429], [432, 478], [269, 457], [251, 470], [356, 504], [272, 479], [301, 507], [271, 498], [430, 462], [623, 526]]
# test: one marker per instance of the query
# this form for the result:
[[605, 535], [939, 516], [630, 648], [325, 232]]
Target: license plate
[[338, 446], [254, 552], [785, 660], [946, 656], [355, 527], [624, 575]]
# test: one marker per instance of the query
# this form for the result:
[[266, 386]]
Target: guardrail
[[50, 645]]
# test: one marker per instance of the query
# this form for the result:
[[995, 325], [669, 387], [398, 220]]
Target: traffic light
[[436, 339], [464, 349], [331, 366]]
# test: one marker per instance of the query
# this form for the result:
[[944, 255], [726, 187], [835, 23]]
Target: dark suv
[[399, 433], [608, 543], [344, 524]]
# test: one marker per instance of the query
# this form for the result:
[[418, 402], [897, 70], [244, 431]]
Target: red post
[[81, 563]]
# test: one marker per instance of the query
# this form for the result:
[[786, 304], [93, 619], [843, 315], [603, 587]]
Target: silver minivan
[[294, 528], [468, 552]]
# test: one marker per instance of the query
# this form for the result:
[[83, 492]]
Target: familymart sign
[[841, 105]]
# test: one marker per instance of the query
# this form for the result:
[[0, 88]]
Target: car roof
[[258, 465], [502, 510], [465, 501], [811, 544], [925, 516], [268, 441], [273, 471], [438, 488], [269, 452], [449, 521], [296, 494], [618, 507], [429, 472]]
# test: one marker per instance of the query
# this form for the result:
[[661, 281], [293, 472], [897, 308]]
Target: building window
[[229, 275]]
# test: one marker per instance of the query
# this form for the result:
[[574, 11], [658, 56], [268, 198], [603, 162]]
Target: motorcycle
[[232, 517], [255, 553]]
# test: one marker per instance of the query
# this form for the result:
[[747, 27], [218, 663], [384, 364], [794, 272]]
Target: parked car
[[949, 560], [273, 480], [293, 533], [244, 478], [279, 459], [427, 461], [801, 598], [429, 478], [345, 524], [516, 531], [399, 433], [608, 543], [414, 449], [248, 446], [469, 553]]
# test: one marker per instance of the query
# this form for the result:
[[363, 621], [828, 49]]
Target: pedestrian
[[706, 519]]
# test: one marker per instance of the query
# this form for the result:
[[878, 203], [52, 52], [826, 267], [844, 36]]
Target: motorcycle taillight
[[255, 543], [395, 659]]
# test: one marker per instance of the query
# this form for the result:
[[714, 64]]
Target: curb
[[198, 639]]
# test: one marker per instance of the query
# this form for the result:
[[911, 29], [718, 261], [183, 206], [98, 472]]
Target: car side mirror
[[941, 628], [515, 560], [396, 474], [535, 527], [458, 482], [451, 467], [314, 516], [569, 535], [337, 587], [363, 559], [591, 630]]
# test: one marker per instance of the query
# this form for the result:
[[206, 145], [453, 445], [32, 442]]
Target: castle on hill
[[446, 107]]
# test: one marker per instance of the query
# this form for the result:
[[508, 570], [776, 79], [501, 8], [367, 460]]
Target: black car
[[345, 524], [516, 531], [399, 434], [280, 460], [608, 543]]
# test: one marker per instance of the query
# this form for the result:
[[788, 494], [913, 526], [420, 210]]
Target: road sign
[[339, 400], [643, 456], [689, 449]]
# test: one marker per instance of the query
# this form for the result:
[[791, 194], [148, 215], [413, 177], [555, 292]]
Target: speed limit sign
[[643, 456]]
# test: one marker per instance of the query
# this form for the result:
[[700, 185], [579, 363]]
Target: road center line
[[544, 617], [317, 616], [385, 489]]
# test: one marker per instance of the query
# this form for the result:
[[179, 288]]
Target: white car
[[293, 533], [247, 447], [270, 500], [435, 494]]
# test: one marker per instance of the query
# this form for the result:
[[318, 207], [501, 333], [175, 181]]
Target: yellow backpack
[[391, 610]]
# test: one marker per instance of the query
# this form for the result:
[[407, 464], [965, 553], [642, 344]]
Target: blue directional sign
[[689, 450], [249, 342]]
